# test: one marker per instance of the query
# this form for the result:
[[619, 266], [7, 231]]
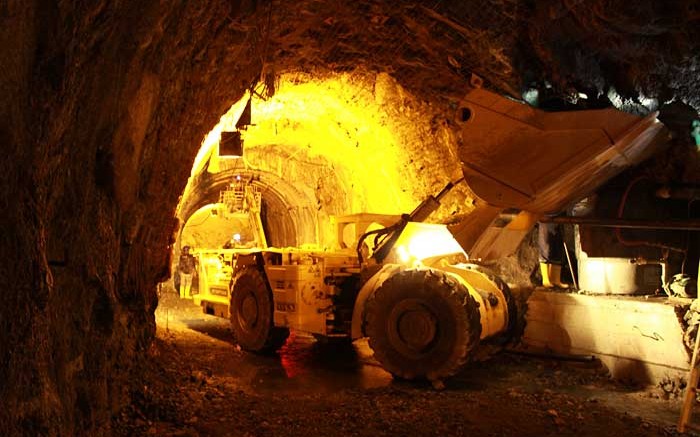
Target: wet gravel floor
[[199, 383]]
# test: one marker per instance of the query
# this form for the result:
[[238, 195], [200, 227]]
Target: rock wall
[[102, 106]]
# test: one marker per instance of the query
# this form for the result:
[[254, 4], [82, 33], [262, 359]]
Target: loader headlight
[[403, 254], [420, 241]]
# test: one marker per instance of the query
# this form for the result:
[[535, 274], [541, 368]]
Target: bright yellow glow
[[403, 254], [337, 119], [420, 241], [349, 143], [335, 126], [208, 229]]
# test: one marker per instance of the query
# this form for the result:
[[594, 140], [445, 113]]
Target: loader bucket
[[518, 157]]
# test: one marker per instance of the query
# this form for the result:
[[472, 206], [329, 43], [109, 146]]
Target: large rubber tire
[[251, 313], [422, 324]]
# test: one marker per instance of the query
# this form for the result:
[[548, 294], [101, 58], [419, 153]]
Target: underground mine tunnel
[[400, 218]]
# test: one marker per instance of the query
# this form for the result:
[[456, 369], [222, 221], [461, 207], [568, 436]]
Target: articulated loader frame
[[425, 314]]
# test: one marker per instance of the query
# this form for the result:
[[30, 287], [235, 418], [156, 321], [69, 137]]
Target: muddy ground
[[199, 383]]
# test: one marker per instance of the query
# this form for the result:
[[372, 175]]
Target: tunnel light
[[531, 96], [237, 238]]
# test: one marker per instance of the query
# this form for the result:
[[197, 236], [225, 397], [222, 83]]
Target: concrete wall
[[638, 339]]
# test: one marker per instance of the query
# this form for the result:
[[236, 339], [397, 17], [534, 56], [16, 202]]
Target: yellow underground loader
[[416, 289]]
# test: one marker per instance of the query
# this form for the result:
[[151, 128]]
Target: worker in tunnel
[[186, 267], [550, 244]]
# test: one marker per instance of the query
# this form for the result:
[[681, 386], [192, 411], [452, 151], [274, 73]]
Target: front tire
[[422, 324], [251, 312]]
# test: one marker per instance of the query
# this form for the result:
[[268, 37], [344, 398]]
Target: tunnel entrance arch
[[288, 214]]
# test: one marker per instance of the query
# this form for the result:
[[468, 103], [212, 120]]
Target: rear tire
[[422, 324], [251, 312]]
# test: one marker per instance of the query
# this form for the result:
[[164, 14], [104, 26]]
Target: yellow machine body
[[519, 161]]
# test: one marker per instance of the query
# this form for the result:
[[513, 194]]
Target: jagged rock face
[[636, 47], [102, 111], [102, 108]]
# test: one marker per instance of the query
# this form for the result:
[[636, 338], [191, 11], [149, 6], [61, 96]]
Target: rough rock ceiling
[[636, 47]]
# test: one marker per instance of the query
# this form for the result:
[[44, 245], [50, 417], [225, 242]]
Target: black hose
[[398, 226]]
